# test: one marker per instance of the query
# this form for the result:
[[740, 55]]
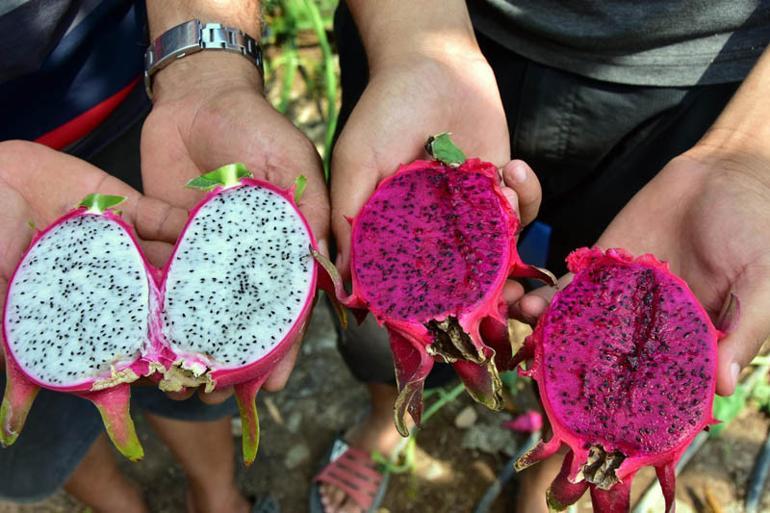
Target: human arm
[[707, 212], [209, 110], [426, 75]]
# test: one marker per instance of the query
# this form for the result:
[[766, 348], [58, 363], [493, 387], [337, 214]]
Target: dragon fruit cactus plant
[[86, 313], [430, 252], [625, 359]]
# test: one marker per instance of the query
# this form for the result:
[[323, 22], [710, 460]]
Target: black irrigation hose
[[758, 478], [509, 470]]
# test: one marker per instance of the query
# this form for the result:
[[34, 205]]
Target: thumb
[[532, 305], [352, 183], [518, 176], [746, 321]]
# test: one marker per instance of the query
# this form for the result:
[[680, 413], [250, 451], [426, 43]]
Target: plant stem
[[330, 82]]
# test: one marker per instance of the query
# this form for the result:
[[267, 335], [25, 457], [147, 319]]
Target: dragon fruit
[[430, 252], [625, 359], [77, 319], [238, 289], [232, 299]]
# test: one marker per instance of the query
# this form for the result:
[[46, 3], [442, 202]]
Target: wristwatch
[[194, 36]]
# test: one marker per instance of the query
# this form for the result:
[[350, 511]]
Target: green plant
[[294, 25]]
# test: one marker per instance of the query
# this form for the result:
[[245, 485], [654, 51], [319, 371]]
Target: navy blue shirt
[[65, 65]]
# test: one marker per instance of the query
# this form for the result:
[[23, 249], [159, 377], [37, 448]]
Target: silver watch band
[[194, 36]]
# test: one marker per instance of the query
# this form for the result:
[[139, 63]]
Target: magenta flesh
[[625, 359]]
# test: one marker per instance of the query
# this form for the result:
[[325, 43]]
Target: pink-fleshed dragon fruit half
[[85, 312], [625, 359], [430, 252]]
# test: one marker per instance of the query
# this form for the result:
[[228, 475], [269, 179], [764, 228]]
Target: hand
[[209, 111], [39, 185], [708, 214], [409, 98]]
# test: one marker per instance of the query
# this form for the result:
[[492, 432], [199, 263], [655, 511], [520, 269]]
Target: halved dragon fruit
[[84, 314], [238, 289], [625, 359], [77, 319], [430, 252]]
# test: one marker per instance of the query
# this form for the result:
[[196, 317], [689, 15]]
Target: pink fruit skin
[[113, 402], [399, 276], [582, 417], [248, 379]]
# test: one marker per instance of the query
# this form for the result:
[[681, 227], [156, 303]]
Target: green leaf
[[299, 187], [727, 408], [228, 175], [202, 184], [99, 203], [441, 148]]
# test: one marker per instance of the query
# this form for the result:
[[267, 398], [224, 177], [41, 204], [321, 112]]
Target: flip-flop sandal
[[355, 473]]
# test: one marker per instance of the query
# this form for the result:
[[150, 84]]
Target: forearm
[[743, 125], [242, 14], [390, 29]]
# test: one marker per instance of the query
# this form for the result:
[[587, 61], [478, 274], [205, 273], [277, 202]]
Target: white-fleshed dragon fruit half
[[77, 319], [85, 313]]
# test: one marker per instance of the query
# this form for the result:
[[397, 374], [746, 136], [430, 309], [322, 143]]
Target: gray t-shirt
[[644, 42]]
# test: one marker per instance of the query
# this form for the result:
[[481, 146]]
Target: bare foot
[[534, 483]]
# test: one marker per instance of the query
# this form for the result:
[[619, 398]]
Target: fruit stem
[[441, 148], [299, 187], [229, 175], [98, 203]]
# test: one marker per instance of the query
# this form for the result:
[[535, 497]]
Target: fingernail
[[519, 173], [735, 369]]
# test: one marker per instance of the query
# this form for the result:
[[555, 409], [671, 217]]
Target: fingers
[[532, 305], [216, 396], [31, 168], [746, 331], [15, 235], [519, 176], [280, 374], [15, 232], [512, 291], [156, 252], [182, 395], [156, 220]]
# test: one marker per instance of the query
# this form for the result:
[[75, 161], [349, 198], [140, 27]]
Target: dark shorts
[[593, 145], [61, 428]]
